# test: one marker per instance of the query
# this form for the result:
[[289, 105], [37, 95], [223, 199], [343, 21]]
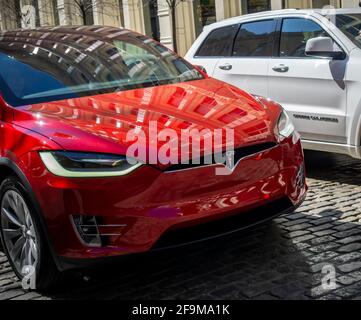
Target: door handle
[[280, 68], [226, 66]]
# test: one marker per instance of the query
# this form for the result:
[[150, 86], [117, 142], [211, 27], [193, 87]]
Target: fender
[[6, 162], [353, 126], [353, 100]]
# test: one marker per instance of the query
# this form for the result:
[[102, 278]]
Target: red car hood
[[100, 123]]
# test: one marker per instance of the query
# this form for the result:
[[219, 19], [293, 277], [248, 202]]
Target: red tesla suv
[[71, 99]]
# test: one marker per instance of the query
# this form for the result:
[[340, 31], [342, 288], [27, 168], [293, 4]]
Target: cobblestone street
[[282, 259]]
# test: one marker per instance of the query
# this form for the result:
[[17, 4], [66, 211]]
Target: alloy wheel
[[18, 232]]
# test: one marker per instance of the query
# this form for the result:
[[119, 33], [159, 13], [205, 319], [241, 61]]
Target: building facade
[[150, 17]]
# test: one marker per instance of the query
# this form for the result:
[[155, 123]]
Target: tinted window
[[350, 25], [218, 43], [254, 39], [40, 67], [295, 34]]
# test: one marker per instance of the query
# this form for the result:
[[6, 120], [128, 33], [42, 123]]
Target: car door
[[247, 67], [218, 43], [311, 89]]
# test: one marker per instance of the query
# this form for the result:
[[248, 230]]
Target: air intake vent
[[88, 231]]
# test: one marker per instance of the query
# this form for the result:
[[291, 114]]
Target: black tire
[[46, 272]]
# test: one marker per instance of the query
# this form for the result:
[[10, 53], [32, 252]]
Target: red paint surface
[[149, 200]]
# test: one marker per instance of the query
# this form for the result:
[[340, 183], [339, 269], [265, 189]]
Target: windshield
[[350, 25], [43, 66]]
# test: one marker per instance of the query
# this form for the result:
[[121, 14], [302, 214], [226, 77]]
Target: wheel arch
[[7, 168], [354, 132]]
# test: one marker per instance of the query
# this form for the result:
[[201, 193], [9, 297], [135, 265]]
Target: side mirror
[[323, 47], [203, 69]]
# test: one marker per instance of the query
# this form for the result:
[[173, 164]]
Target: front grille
[[223, 226], [239, 153]]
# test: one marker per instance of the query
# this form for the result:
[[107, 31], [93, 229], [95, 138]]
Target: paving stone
[[341, 259], [345, 234], [349, 291], [323, 247], [324, 232], [324, 256], [323, 239], [350, 239], [300, 226], [303, 238], [295, 222], [321, 227], [350, 266], [318, 267], [330, 297], [286, 291], [319, 291], [320, 221], [346, 280], [298, 233], [10, 294], [27, 296], [350, 247], [345, 226]]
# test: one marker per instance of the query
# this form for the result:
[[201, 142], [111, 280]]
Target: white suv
[[306, 60]]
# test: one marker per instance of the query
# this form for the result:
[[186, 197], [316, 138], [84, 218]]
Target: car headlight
[[285, 126], [83, 164]]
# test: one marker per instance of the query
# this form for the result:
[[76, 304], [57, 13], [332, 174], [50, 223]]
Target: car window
[[254, 39], [50, 69], [295, 34], [218, 43], [350, 25]]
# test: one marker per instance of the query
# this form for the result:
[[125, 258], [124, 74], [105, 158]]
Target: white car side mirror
[[323, 47]]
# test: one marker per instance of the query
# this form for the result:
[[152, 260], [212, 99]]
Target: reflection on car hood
[[100, 123]]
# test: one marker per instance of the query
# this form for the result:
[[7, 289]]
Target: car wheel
[[22, 238]]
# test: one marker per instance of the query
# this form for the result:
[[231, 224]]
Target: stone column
[[64, 16], [276, 4], [164, 24], [29, 14], [133, 15], [220, 10], [301, 4], [185, 26], [2, 22], [350, 3], [46, 13], [228, 8], [8, 19], [107, 14], [335, 3], [68, 13]]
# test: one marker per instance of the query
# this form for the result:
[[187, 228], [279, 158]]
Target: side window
[[218, 43], [295, 33], [255, 39]]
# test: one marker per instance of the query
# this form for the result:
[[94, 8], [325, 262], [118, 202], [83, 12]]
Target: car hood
[[100, 123]]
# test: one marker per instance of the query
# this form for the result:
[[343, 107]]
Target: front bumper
[[142, 209], [200, 232]]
